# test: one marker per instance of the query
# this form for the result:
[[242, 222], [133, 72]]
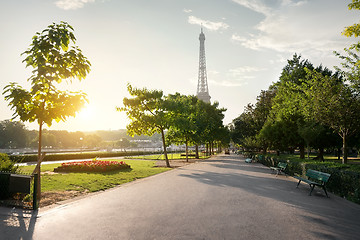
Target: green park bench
[[315, 178], [280, 168]]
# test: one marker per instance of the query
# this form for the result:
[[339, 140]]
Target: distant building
[[202, 87]]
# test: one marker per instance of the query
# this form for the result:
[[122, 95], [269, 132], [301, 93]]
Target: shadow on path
[[19, 223], [339, 216]]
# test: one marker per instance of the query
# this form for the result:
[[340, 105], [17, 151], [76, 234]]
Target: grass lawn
[[92, 182], [171, 156]]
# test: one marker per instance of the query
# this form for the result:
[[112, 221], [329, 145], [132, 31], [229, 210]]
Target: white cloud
[[187, 10], [295, 26], [72, 4], [212, 26], [241, 71], [228, 83], [292, 3], [235, 77], [255, 5]]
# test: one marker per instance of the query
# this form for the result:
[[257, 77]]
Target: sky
[[154, 44]]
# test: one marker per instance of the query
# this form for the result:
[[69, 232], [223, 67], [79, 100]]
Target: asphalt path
[[221, 198]]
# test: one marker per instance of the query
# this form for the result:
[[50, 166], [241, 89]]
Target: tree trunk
[[345, 154], [164, 146], [308, 151], [339, 153], [302, 152], [264, 150], [186, 150], [38, 166], [197, 151], [321, 154]]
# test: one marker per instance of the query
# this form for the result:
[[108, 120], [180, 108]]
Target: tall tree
[[147, 112], [54, 58], [330, 101], [183, 126], [247, 126], [287, 104], [12, 134]]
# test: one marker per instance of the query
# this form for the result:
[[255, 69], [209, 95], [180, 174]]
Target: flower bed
[[92, 166]]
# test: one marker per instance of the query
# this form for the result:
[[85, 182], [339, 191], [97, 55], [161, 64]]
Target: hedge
[[344, 180], [72, 156]]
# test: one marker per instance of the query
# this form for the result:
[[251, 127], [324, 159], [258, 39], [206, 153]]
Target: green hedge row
[[344, 180], [72, 156]]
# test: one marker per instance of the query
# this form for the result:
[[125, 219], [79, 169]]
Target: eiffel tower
[[202, 87]]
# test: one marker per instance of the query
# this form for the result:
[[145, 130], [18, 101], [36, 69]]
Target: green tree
[[54, 58], [12, 134], [209, 121], [351, 61], [182, 127], [330, 101], [318, 136], [353, 30], [247, 126], [92, 141], [287, 104], [147, 113]]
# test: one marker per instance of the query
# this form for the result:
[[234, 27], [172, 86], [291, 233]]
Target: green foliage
[[54, 59], [351, 65], [187, 119], [344, 180], [353, 30], [332, 102], [183, 118], [147, 112], [287, 116], [72, 156], [246, 127], [6, 165], [12, 134]]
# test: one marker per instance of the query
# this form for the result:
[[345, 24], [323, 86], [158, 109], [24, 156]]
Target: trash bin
[[4, 185], [19, 183]]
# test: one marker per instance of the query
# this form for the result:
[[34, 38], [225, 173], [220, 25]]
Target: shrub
[[72, 156], [344, 180], [6, 165]]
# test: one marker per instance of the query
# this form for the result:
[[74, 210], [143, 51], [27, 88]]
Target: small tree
[[147, 113], [183, 119], [55, 58]]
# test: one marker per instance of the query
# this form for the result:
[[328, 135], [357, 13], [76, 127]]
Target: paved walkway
[[222, 198]]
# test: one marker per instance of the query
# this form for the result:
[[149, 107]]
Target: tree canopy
[[55, 58], [147, 113]]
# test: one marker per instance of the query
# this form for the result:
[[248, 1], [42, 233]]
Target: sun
[[86, 112]]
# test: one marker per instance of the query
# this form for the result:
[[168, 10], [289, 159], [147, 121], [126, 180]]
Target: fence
[[18, 190]]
